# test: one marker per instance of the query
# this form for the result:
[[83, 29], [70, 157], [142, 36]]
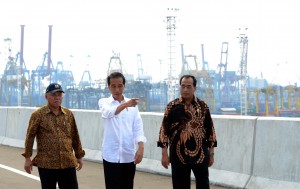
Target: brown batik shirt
[[188, 131], [57, 139]]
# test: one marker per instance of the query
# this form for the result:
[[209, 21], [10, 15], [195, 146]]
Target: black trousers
[[181, 175], [66, 178], [119, 175]]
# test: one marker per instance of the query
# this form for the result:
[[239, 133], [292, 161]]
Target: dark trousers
[[181, 175], [66, 178], [119, 175]]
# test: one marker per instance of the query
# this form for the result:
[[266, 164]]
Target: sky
[[86, 33]]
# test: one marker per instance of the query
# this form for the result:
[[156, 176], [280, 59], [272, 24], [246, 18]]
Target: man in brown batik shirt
[[59, 150], [187, 129]]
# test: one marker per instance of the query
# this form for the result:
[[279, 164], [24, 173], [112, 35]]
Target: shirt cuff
[[80, 155], [162, 144], [141, 139]]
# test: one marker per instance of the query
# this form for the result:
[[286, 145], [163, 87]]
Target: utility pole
[[20, 68], [49, 57], [161, 106], [171, 26], [243, 40]]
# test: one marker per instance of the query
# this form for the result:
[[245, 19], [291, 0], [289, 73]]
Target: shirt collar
[[182, 100], [48, 110], [111, 99]]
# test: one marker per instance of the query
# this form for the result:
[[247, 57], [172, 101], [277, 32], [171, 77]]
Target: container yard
[[226, 92]]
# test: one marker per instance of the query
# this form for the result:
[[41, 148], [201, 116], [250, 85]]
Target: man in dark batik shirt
[[187, 129]]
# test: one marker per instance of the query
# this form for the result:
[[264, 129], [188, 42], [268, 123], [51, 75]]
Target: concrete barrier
[[252, 152], [235, 148], [277, 154], [3, 117]]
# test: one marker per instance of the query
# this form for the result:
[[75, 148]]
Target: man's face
[[54, 99], [116, 88], [187, 88]]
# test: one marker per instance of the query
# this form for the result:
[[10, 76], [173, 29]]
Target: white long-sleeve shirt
[[121, 132]]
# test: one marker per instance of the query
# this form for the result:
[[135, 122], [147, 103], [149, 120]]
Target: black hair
[[189, 76], [115, 75]]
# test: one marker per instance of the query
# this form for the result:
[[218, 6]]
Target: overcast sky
[[91, 30]]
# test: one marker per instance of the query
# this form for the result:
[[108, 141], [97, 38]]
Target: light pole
[[243, 40], [171, 26]]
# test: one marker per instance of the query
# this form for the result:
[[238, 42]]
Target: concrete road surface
[[13, 176]]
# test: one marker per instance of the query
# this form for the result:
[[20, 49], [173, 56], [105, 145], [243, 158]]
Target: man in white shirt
[[123, 131]]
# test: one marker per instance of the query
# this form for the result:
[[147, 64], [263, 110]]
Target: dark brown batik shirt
[[57, 139], [188, 131]]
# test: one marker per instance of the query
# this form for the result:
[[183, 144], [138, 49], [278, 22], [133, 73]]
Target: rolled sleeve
[[141, 139], [138, 128], [106, 109]]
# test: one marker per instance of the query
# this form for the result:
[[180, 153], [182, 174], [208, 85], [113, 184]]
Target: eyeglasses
[[186, 86]]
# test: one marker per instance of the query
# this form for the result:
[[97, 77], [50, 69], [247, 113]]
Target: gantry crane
[[86, 80], [226, 82], [271, 100], [15, 80], [115, 64], [290, 101], [222, 81], [39, 80], [205, 89], [64, 77], [43, 75], [141, 73]]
